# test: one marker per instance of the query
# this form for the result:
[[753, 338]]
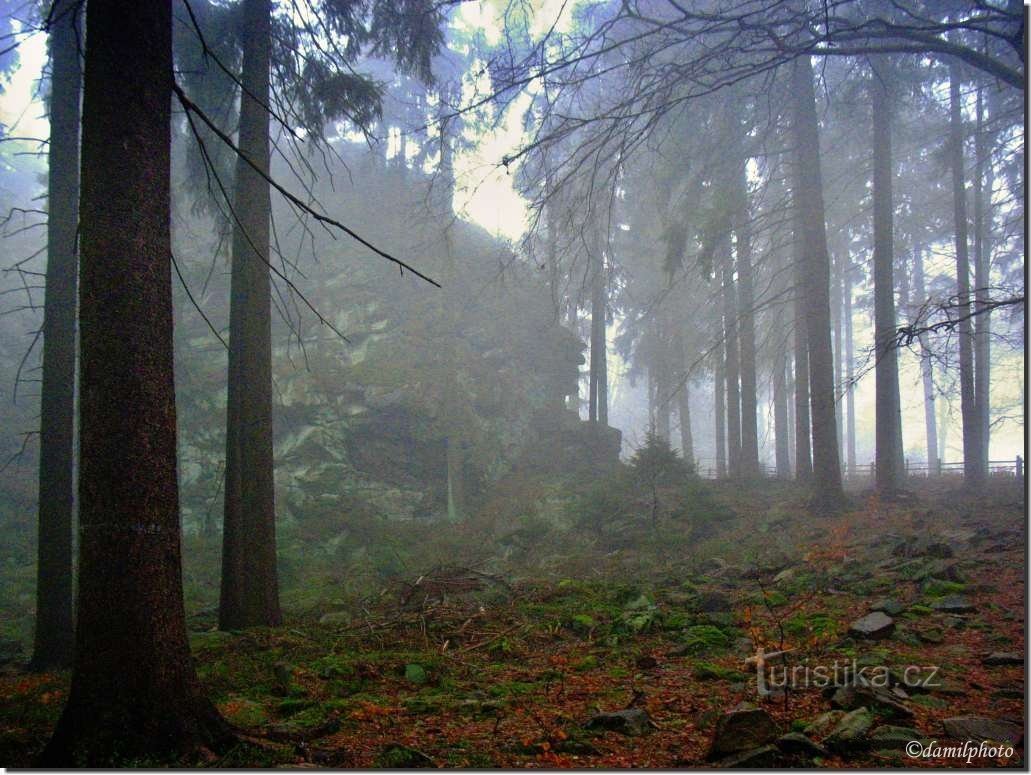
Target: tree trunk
[[780, 406], [599, 411], [54, 636], [839, 360], [684, 410], [749, 462], [134, 692], [730, 332], [983, 184], [720, 410], [250, 587], [926, 369], [971, 428], [828, 495], [803, 456], [850, 392], [889, 458]]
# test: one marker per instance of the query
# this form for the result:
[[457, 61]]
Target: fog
[[505, 384]]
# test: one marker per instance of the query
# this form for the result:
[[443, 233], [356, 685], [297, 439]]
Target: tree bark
[[720, 411], [983, 184], [850, 391], [803, 455], [828, 495], [250, 586], [839, 360], [731, 373], [684, 409], [599, 409], [780, 407], [54, 636], [889, 458], [134, 692], [971, 428], [926, 369], [749, 462]]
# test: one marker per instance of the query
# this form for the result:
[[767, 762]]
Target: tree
[[827, 490], [133, 690], [250, 586], [968, 406], [889, 461], [54, 635]]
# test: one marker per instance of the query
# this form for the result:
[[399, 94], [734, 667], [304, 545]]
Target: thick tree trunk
[[971, 428], [720, 411], [599, 409], [839, 360], [731, 370], [134, 692], [749, 462], [54, 636], [250, 587], [780, 406], [889, 458], [803, 456], [983, 183], [926, 368], [850, 392], [828, 495], [684, 410]]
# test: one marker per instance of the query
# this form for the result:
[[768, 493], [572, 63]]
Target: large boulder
[[850, 733], [633, 722], [742, 729], [876, 625], [979, 729], [755, 758]]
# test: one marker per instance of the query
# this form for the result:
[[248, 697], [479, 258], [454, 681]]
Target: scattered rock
[[742, 729], [854, 697], [892, 738], [766, 756], [712, 602], [400, 757], [823, 725], [415, 674], [931, 635], [796, 743], [335, 619], [889, 606], [954, 604], [646, 662], [1008, 694], [632, 721], [1000, 658], [920, 546], [873, 626], [979, 728], [850, 733]]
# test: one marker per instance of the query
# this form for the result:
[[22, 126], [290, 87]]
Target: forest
[[394, 384]]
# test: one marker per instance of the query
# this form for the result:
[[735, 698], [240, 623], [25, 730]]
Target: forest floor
[[457, 668]]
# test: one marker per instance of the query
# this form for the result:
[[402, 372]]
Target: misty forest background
[[496, 322]]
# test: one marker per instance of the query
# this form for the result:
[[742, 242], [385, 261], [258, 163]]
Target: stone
[[764, 756], [742, 729], [632, 722], [889, 606], [853, 697], [892, 738], [799, 745], [822, 725], [979, 728], [400, 757], [954, 604], [850, 733], [713, 602], [999, 658], [335, 619], [932, 635], [874, 626], [415, 674]]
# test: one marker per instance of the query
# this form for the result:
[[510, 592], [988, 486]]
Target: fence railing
[[1002, 468]]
